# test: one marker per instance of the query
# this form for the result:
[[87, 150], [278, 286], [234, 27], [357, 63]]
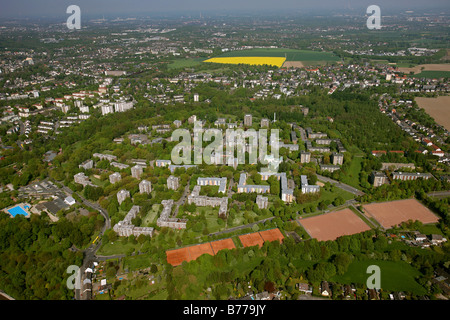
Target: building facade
[[122, 195], [125, 228], [305, 157], [337, 158], [173, 183], [137, 171], [378, 178], [248, 120], [115, 177], [145, 187], [262, 202]]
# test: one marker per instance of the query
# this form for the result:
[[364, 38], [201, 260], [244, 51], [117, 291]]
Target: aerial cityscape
[[195, 150]]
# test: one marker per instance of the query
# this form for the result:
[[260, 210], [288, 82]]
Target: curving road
[[90, 252]]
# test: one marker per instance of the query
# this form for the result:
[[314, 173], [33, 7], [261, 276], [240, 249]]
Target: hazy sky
[[52, 8]]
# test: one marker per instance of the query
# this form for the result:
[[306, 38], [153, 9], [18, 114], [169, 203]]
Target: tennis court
[[222, 244], [272, 235], [251, 239], [177, 256], [199, 249]]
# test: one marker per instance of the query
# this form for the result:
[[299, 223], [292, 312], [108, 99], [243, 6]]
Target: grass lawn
[[151, 216], [98, 182], [394, 276], [119, 246], [369, 221], [161, 295], [185, 63], [432, 74], [405, 65], [429, 229], [138, 262], [352, 176], [212, 214], [145, 290], [240, 220], [326, 195]]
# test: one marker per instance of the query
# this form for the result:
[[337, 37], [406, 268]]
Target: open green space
[[98, 182], [151, 216], [185, 63], [290, 54], [325, 195], [394, 276], [432, 74], [352, 175], [120, 246]]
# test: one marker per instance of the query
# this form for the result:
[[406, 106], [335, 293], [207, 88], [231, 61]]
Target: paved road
[[90, 252], [439, 194], [342, 186], [182, 199], [116, 256], [94, 206], [241, 227]]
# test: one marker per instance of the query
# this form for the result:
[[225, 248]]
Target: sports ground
[[390, 214], [333, 225], [176, 256]]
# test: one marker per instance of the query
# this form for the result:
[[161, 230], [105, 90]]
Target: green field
[[185, 63], [290, 54], [394, 276], [151, 216], [352, 176], [433, 74]]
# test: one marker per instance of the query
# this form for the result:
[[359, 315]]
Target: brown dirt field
[[272, 235], [427, 67], [197, 250], [438, 108], [392, 213], [177, 256], [251, 239], [292, 64], [333, 225], [222, 244]]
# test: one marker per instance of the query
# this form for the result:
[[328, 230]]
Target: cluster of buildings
[[307, 188], [165, 220], [396, 111], [287, 194], [111, 107], [82, 179], [203, 201], [379, 178], [322, 143], [125, 228]]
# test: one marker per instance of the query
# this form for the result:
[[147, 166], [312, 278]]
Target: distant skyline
[[54, 8]]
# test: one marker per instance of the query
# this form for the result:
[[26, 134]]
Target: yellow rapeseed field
[[273, 61]]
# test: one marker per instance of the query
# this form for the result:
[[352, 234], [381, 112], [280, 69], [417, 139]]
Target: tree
[[342, 261], [338, 201], [93, 193], [274, 185]]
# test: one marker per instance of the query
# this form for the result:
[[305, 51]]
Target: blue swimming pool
[[17, 210]]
